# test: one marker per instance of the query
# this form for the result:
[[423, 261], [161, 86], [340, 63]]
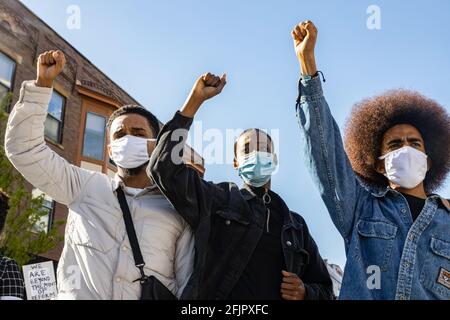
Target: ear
[[275, 158], [235, 163], [429, 163], [379, 166]]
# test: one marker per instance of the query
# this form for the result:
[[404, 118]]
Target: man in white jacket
[[97, 261]]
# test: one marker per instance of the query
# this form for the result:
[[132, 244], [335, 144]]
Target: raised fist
[[305, 36], [208, 86], [49, 66]]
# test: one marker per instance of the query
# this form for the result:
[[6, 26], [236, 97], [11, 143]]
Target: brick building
[[83, 96]]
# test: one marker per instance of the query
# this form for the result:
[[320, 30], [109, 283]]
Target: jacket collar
[[117, 182], [442, 200], [247, 193], [381, 192], [288, 219], [446, 203]]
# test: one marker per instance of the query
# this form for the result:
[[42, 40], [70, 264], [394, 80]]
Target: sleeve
[[184, 259], [325, 157], [193, 197], [11, 283], [316, 277], [26, 148]]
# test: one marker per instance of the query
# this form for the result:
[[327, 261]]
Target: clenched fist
[[292, 287], [49, 66], [305, 36], [206, 87]]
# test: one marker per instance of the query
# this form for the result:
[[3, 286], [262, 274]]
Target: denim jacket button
[[403, 210], [227, 222], [289, 243]]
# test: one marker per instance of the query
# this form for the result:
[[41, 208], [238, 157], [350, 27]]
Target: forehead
[[253, 137], [402, 130], [130, 120]]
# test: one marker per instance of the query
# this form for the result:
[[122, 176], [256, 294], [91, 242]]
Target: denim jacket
[[388, 255]]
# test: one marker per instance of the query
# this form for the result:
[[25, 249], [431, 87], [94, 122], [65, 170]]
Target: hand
[[49, 66], [206, 87], [292, 287], [305, 36]]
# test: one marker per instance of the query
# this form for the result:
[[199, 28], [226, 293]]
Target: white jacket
[[97, 262]]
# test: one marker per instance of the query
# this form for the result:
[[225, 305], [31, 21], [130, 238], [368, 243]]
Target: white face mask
[[405, 167], [130, 151]]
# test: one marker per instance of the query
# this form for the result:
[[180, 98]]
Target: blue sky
[[156, 49]]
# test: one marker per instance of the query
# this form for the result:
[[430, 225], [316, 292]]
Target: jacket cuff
[[180, 122], [311, 88], [310, 293], [31, 93], [307, 292]]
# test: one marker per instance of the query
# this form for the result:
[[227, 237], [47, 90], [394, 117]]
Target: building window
[[93, 153], [55, 117], [49, 206], [7, 68], [46, 221], [94, 136]]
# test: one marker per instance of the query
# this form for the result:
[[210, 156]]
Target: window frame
[[51, 215], [61, 122], [13, 77], [51, 211], [87, 158], [99, 107]]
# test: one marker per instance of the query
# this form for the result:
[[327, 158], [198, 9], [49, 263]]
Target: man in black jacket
[[249, 245]]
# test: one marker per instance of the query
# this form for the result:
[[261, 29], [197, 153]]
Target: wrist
[[44, 83], [308, 64], [191, 106]]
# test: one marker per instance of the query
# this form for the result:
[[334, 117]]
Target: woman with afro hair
[[379, 188]]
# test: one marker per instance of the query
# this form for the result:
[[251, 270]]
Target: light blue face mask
[[257, 167]]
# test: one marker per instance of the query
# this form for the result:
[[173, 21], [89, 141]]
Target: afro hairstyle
[[371, 118]]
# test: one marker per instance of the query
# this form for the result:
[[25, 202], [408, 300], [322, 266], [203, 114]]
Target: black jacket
[[226, 226]]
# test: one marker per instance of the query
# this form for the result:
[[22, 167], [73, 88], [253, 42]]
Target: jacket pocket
[[88, 230], [228, 229], [297, 260], [376, 241], [231, 216], [436, 269]]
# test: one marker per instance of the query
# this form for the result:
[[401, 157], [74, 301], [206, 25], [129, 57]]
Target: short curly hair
[[131, 108], [371, 118]]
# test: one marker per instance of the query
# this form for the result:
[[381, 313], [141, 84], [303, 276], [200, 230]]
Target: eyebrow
[[117, 131], [409, 139], [138, 129], [394, 141], [414, 139], [132, 129]]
